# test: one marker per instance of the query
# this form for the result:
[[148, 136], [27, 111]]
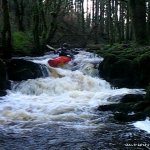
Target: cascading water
[[71, 97], [68, 97]]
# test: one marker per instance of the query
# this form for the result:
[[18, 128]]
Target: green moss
[[22, 43], [126, 61], [126, 51]]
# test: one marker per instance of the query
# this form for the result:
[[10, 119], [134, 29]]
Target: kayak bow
[[57, 61]]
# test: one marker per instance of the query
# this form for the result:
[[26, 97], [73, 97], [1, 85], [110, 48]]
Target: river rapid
[[59, 112]]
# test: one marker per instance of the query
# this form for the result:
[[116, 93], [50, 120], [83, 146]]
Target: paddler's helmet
[[65, 45]]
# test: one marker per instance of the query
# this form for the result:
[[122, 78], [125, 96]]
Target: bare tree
[[6, 31], [138, 16], [19, 8]]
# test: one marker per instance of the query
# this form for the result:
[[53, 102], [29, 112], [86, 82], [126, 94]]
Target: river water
[[59, 112]]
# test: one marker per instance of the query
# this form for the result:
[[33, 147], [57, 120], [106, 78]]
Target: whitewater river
[[59, 112]]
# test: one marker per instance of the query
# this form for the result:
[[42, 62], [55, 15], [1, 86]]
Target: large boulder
[[120, 73], [132, 107], [123, 72], [144, 70], [19, 69], [123, 117], [4, 83], [106, 65], [135, 98]]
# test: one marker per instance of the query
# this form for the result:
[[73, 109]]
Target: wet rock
[[120, 107], [19, 69], [106, 65], [122, 69], [132, 98], [122, 82], [2, 75], [123, 72], [110, 107], [120, 72], [129, 103], [4, 83], [141, 106], [144, 65], [123, 117], [3, 92], [147, 96], [147, 111]]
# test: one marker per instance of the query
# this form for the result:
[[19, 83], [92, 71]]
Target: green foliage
[[126, 51], [22, 43]]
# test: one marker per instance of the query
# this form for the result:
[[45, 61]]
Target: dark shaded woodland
[[28, 25]]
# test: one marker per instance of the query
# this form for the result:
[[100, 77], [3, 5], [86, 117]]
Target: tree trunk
[[6, 31], [138, 16], [93, 12], [19, 8], [127, 24], [117, 25], [83, 21], [52, 29], [96, 21], [110, 23], [122, 20], [44, 24], [36, 25], [54, 24], [101, 18], [148, 23]]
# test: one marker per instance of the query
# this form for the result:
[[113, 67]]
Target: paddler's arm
[[53, 49]]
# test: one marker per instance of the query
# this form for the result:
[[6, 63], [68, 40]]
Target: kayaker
[[64, 51]]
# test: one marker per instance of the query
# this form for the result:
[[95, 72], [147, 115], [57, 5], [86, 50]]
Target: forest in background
[[26, 26]]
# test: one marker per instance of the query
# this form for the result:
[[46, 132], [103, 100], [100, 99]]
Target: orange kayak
[[57, 61]]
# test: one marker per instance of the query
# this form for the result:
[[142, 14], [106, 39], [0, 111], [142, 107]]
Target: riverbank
[[127, 65]]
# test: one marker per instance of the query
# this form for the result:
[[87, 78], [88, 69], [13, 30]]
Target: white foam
[[143, 125], [72, 96]]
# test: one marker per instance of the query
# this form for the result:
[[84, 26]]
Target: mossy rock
[[126, 64], [110, 59], [105, 67], [132, 98], [122, 82], [122, 68], [125, 73], [120, 72], [144, 67]]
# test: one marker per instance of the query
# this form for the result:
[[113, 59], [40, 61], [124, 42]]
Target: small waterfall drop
[[70, 94]]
